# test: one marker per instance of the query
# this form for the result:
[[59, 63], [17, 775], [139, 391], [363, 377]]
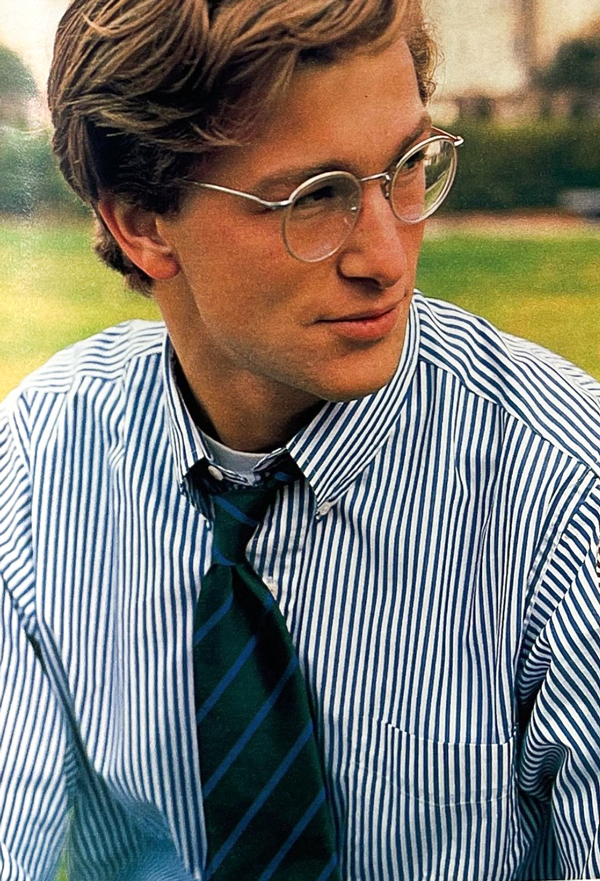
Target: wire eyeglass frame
[[387, 179]]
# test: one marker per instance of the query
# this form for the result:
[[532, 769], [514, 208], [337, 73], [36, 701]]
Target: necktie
[[265, 808]]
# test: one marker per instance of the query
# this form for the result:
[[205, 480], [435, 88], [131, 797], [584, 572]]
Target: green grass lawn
[[543, 289], [55, 291]]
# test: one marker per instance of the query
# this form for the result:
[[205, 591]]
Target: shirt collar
[[186, 440], [333, 449], [344, 437]]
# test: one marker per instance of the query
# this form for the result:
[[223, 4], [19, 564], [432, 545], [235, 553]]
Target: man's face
[[242, 311]]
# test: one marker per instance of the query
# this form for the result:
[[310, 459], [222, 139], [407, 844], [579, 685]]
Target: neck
[[247, 419]]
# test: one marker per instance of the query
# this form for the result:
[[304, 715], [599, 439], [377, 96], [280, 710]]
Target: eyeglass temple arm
[[456, 139], [273, 206]]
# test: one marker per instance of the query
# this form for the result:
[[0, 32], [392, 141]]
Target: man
[[264, 170]]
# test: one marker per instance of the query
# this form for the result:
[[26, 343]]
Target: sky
[[28, 27]]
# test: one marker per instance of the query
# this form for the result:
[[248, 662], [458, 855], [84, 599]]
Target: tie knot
[[240, 509], [237, 514]]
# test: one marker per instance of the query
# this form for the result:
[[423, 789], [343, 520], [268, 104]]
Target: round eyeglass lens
[[422, 181], [322, 215]]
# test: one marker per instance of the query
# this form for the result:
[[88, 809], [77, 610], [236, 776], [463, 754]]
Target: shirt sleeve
[[33, 727], [33, 794], [558, 688]]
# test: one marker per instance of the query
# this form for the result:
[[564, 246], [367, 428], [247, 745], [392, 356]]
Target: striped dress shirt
[[437, 570]]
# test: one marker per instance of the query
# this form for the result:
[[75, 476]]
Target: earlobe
[[136, 232]]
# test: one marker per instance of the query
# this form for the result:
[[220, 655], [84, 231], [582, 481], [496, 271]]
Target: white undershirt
[[241, 464]]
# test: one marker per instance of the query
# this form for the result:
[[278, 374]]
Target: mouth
[[365, 326]]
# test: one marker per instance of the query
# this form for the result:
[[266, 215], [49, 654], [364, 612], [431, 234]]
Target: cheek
[[237, 239], [414, 241], [244, 297], [253, 271]]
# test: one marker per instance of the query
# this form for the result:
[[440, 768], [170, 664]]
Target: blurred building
[[492, 50]]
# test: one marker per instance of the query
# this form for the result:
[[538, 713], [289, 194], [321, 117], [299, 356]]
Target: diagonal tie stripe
[[252, 727], [214, 619], [264, 800], [226, 681], [329, 869], [221, 559], [293, 836], [261, 798], [246, 652], [235, 511]]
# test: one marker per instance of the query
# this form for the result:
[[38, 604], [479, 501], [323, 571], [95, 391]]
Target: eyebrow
[[294, 176]]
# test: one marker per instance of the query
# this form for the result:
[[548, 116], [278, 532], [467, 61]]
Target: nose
[[377, 248]]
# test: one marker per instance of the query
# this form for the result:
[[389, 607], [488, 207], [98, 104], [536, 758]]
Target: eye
[[413, 162], [321, 196]]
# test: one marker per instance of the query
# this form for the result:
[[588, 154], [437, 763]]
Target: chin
[[361, 372], [357, 387]]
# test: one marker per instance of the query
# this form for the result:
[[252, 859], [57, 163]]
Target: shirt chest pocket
[[434, 810], [439, 773]]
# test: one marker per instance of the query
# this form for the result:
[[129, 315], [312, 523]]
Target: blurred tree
[[29, 178], [17, 88], [519, 167], [574, 74], [576, 65]]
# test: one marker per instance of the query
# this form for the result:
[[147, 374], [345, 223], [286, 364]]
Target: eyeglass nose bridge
[[384, 177]]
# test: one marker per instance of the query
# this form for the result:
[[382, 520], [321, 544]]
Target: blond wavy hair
[[140, 91]]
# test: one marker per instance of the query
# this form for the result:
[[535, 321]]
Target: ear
[[136, 232]]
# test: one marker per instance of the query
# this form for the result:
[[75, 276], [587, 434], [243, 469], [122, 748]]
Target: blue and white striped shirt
[[437, 570]]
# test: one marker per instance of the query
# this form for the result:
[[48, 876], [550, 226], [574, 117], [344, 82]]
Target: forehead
[[352, 113]]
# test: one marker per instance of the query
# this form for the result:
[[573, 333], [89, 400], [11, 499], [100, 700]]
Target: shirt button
[[325, 508], [271, 586], [215, 472]]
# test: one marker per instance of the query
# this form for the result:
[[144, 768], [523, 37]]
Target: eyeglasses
[[321, 213]]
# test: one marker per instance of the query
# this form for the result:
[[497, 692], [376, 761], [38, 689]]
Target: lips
[[365, 326], [365, 316]]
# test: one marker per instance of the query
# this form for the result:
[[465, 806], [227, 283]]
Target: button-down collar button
[[215, 472], [325, 508], [271, 585]]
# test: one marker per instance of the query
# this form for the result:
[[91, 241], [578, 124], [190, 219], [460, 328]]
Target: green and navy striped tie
[[265, 807]]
